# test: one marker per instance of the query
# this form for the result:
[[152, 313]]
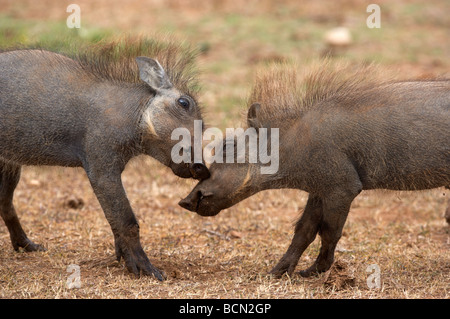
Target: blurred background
[[235, 37]]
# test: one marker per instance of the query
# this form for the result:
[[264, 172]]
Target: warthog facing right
[[341, 135], [97, 110]]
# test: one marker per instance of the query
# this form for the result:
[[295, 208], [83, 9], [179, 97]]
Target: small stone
[[75, 203]]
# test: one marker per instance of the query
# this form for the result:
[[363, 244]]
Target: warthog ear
[[152, 73], [252, 116]]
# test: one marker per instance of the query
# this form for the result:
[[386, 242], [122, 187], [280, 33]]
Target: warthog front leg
[[325, 216], [9, 178], [111, 195], [305, 233], [335, 212]]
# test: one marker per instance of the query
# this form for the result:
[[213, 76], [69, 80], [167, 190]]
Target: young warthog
[[339, 136], [96, 110]]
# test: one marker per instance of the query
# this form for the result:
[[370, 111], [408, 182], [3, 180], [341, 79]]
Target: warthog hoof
[[27, 245]]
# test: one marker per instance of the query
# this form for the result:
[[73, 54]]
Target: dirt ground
[[228, 256]]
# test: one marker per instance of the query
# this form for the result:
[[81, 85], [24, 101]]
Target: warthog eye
[[183, 102]]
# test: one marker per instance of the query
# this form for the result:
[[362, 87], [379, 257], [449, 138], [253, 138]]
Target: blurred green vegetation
[[53, 35]]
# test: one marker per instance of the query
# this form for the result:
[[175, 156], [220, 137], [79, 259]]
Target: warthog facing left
[[344, 134], [95, 111]]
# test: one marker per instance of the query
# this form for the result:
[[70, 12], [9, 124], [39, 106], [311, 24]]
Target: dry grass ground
[[228, 256]]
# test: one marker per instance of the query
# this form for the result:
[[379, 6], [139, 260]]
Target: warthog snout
[[192, 201], [199, 201], [199, 171]]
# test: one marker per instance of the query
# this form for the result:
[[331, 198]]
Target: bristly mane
[[115, 60], [286, 91]]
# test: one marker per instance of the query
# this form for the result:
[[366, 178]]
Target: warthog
[[342, 134], [96, 110]]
